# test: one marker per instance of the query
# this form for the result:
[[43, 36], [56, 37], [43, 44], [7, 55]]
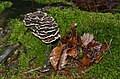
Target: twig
[[42, 70], [108, 44], [32, 70]]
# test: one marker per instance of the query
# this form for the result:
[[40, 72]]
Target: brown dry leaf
[[72, 42], [55, 55], [63, 61], [105, 47], [95, 51], [94, 46], [72, 52], [66, 73], [86, 61], [87, 38]]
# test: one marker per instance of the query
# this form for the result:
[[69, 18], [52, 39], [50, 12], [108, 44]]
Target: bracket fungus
[[45, 27]]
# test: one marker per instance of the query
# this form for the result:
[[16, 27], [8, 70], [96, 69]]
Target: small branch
[[32, 70], [42, 70]]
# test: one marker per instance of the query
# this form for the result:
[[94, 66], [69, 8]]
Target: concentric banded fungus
[[45, 26]]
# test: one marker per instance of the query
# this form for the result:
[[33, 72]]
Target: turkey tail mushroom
[[45, 27]]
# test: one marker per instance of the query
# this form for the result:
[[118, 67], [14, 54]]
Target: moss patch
[[34, 46], [4, 5]]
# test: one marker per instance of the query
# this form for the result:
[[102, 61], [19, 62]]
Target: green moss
[[35, 47], [4, 5]]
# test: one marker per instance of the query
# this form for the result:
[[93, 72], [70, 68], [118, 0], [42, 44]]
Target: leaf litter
[[97, 5], [79, 52]]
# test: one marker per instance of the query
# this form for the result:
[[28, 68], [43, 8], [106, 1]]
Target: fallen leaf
[[72, 52], [94, 46], [94, 50], [63, 61], [104, 47], [55, 55], [72, 42], [66, 73], [86, 61], [86, 38]]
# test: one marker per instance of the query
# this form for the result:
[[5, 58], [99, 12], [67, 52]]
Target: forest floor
[[32, 53]]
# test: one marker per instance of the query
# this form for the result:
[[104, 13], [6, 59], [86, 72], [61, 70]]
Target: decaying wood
[[9, 51]]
